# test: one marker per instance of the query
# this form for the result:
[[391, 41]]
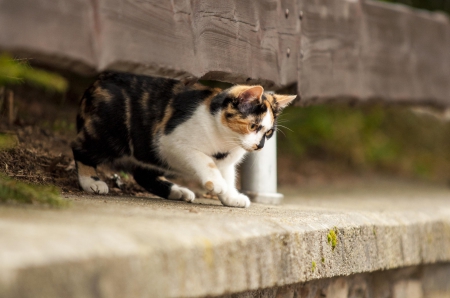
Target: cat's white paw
[[216, 186], [94, 186], [181, 193], [235, 200]]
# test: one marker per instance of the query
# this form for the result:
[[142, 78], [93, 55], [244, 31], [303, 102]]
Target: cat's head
[[251, 114]]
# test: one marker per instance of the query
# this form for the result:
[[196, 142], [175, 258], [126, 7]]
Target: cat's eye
[[252, 126], [269, 133]]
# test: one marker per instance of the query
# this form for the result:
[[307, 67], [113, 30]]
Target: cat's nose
[[261, 143]]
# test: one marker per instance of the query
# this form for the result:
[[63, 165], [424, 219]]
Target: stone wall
[[428, 281]]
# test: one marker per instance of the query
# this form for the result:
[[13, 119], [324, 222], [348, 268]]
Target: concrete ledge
[[134, 247], [423, 281]]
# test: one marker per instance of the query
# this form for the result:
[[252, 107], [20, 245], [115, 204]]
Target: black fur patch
[[95, 178], [219, 101], [148, 179], [251, 109], [184, 105], [221, 155]]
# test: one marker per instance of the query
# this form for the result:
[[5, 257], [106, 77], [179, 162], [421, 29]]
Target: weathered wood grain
[[338, 49], [367, 50], [231, 40], [58, 32]]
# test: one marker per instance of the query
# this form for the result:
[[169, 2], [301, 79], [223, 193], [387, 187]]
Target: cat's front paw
[[181, 193], [216, 186], [97, 187], [235, 200]]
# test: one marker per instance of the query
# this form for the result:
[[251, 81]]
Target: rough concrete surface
[[133, 247], [422, 281]]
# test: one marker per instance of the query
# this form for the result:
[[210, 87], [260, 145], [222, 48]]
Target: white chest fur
[[201, 133]]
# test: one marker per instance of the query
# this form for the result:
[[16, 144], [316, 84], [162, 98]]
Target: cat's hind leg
[[88, 179], [153, 182]]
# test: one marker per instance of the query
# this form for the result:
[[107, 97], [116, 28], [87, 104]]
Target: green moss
[[374, 232], [13, 72], [16, 191], [313, 266], [332, 238], [323, 260]]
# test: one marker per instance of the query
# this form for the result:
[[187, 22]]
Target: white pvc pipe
[[259, 174]]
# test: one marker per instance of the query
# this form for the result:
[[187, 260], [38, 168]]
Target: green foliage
[[7, 141], [442, 5], [124, 175], [389, 139], [15, 191], [14, 72]]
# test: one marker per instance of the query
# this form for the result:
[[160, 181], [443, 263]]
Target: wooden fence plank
[[369, 50], [58, 32], [231, 40], [330, 44], [339, 49]]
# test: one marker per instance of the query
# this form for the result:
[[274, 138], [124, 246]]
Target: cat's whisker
[[284, 115], [285, 127], [279, 130]]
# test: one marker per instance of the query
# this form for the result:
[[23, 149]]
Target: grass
[[13, 72], [8, 141], [20, 192]]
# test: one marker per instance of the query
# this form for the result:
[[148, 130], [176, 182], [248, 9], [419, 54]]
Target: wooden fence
[[332, 49]]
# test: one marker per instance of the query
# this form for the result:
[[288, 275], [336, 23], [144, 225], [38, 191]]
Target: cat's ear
[[253, 93], [284, 100]]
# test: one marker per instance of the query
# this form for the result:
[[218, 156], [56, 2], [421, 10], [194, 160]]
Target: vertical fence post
[[259, 174]]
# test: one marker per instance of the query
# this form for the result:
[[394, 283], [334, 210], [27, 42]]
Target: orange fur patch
[[207, 101], [236, 123], [89, 127], [167, 115], [212, 165], [144, 101], [209, 185], [102, 94]]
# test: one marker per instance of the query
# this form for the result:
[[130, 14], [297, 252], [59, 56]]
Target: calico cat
[[153, 127]]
